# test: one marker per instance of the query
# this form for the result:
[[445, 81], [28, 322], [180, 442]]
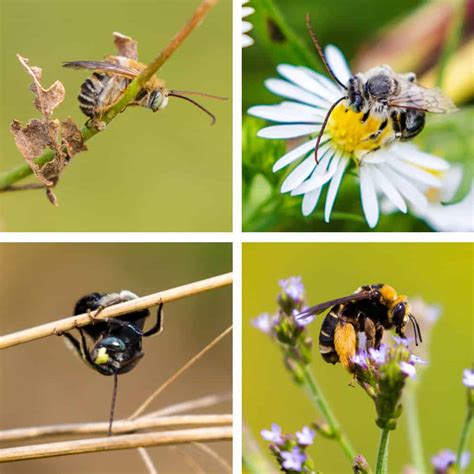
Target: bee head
[[112, 356], [157, 100], [399, 312]]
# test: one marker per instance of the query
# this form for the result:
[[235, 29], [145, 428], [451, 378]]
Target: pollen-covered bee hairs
[[47, 145]]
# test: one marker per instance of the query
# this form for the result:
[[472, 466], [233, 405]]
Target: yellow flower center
[[354, 137]]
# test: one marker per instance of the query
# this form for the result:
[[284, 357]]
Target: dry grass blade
[[147, 460], [132, 441], [210, 452], [120, 426], [144, 302], [185, 367]]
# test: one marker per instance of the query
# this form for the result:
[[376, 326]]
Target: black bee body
[[116, 342], [371, 309]]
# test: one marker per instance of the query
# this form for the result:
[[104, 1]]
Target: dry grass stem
[[185, 367], [210, 452], [129, 441], [147, 460], [144, 302], [120, 426]]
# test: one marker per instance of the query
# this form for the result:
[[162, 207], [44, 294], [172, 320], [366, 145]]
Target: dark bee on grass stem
[[115, 344], [370, 310]]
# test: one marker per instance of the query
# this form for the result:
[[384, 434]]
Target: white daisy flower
[[246, 25], [458, 217], [399, 171]]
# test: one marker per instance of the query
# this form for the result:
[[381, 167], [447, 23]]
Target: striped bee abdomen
[[99, 92], [326, 336]]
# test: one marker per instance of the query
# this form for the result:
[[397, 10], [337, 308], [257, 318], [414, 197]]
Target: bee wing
[[103, 66], [319, 308], [414, 96]]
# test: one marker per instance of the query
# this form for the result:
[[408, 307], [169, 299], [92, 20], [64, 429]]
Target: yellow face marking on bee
[[353, 137], [102, 356]]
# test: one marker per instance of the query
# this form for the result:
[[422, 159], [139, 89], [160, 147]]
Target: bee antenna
[[199, 106], [202, 94], [416, 328], [112, 406], [323, 126], [315, 41]]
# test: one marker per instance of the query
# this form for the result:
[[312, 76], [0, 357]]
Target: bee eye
[[379, 86], [398, 314], [113, 344]]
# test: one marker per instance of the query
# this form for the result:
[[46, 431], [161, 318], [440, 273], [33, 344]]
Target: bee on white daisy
[[354, 121], [246, 25]]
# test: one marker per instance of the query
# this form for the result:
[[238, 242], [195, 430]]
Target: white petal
[[247, 41], [379, 156], [246, 26], [319, 179], [294, 154], [305, 81], [405, 188], [287, 114], [338, 64], [415, 173], [368, 195], [333, 90], [388, 188], [290, 91], [413, 154], [310, 200], [451, 182], [246, 11], [334, 187], [287, 131], [298, 175]]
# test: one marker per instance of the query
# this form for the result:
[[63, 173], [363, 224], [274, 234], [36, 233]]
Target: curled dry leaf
[[126, 46], [63, 138]]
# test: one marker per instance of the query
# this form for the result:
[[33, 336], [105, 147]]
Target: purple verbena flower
[[293, 288], [446, 458], [274, 435], [379, 356], [305, 436], [414, 359], [263, 322], [468, 378], [407, 369], [293, 460], [401, 340], [361, 360]]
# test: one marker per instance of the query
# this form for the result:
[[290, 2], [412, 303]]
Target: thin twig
[[147, 460], [120, 426], [22, 171], [189, 405], [185, 367], [132, 441], [144, 302], [210, 452]]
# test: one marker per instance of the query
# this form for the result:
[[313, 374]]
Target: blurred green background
[[168, 171], [369, 33], [439, 273], [43, 382]]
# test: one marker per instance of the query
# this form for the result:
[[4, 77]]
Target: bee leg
[[158, 327], [345, 340], [100, 308], [365, 117], [378, 132], [378, 336], [395, 116], [370, 333]]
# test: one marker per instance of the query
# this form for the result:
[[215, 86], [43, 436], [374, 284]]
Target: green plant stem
[[319, 400], [14, 175], [290, 47], [413, 426], [381, 466], [452, 41], [464, 437]]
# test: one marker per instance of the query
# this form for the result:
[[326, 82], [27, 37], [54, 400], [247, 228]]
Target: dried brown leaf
[[126, 46], [72, 138], [46, 100], [32, 139]]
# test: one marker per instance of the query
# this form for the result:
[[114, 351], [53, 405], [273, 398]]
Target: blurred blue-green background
[[439, 273], [409, 35], [169, 171]]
